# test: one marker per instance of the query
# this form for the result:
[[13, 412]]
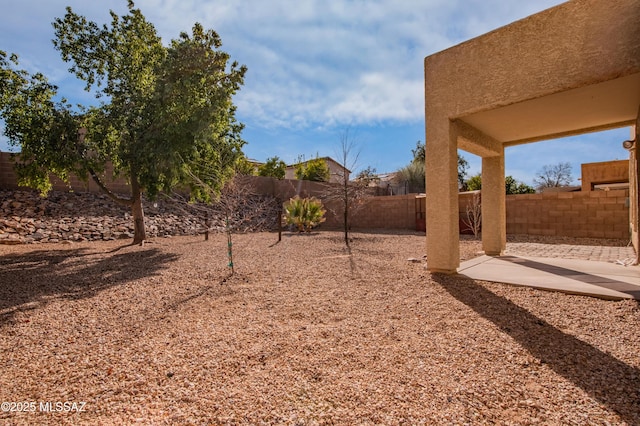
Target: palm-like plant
[[304, 213], [314, 213]]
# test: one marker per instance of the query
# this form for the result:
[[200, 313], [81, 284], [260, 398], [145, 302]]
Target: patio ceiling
[[610, 104]]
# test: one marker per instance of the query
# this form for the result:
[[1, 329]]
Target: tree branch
[[122, 201]]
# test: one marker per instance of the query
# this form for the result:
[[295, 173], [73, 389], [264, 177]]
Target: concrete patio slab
[[576, 276]]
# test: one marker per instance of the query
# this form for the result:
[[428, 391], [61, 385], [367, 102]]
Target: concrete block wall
[[593, 214], [588, 214], [392, 212]]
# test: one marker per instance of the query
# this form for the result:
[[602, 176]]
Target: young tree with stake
[[345, 199]]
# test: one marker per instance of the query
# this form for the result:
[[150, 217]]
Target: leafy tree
[[552, 176], [244, 167], [47, 130], [516, 187], [463, 166], [419, 152], [315, 170], [512, 186], [166, 114], [274, 167], [474, 183], [419, 156]]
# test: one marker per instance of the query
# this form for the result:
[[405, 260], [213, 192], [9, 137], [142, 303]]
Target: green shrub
[[274, 167], [304, 213], [316, 170], [244, 167]]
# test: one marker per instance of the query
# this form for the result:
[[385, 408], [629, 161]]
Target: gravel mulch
[[304, 333]]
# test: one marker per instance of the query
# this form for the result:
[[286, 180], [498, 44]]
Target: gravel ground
[[304, 333]]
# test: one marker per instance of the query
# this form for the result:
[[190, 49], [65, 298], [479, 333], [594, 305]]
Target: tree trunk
[[346, 213], [346, 224], [139, 234]]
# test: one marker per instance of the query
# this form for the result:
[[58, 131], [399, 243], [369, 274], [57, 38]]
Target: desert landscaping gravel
[[305, 332]]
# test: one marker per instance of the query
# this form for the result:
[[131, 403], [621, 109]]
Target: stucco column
[[443, 239], [634, 200], [494, 216]]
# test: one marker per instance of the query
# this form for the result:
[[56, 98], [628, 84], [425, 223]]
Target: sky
[[318, 69]]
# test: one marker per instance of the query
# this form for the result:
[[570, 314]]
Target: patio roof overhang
[[602, 106]]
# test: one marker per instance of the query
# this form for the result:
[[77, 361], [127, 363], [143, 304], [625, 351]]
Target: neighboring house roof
[[327, 159], [386, 177]]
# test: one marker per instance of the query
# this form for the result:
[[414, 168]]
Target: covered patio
[[571, 69]]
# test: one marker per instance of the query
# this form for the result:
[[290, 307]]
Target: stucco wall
[[9, 180], [604, 172], [536, 56], [567, 70]]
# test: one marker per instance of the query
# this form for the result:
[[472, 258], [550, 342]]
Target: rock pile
[[25, 217]]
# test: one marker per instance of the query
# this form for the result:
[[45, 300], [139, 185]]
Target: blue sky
[[317, 68]]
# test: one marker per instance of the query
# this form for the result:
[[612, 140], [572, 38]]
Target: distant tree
[[366, 176], [419, 156], [274, 167], [474, 183], [552, 176], [512, 186], [419, 152], [315, 170], [463, 166], [516, 187], [412, 176], [244, 167], [167, 114]]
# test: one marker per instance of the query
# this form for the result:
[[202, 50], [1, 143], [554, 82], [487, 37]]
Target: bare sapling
[[473, 219]]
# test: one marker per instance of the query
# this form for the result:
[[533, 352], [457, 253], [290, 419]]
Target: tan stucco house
[[336, 170], [571, 69]]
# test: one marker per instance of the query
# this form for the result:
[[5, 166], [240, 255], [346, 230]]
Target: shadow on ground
[[587, 278], [594, 371], [29, 280]]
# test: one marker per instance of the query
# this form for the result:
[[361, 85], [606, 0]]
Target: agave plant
[[304, 213]]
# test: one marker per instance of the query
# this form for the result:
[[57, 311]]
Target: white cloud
[[380, 96], [311, 62]]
